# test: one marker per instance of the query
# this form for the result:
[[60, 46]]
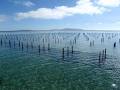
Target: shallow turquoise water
[[29, 70], [33, 72]]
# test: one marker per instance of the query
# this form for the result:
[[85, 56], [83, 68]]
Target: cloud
[[3, 18], [109, 3], [23, 3], [100, 23], [28, 4], [81, 7]]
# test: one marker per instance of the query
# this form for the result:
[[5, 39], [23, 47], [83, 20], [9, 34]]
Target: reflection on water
[[59, 60]]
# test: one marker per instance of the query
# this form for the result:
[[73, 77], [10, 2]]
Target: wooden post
[[39, 49], [55, 40], [75, 40], [43, 40], [103, 56], [99, 57], [72, 49], [48, 46], [9, 43], [63, 53], [67, 51], [114, 44], [90, 43], [22, 46], [105, 53], [1, 42], [93, 42]]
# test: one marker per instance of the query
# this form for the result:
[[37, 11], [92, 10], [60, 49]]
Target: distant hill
[[65, 29], [69, 29], [17, 31]]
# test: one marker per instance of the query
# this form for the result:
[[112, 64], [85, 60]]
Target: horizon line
[[66, 29]]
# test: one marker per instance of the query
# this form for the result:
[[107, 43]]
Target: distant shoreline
[[62, 30]]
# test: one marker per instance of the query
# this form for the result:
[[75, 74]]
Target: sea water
[[29, 69]]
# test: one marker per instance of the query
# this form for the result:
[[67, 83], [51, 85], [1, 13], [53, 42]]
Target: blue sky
[[57, 14]]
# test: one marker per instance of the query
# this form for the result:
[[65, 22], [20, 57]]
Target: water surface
[[28, 68]]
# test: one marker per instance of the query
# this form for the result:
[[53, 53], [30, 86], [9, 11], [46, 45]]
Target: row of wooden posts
[[102, 56], [22, 46], [68, 51], [38, 37]]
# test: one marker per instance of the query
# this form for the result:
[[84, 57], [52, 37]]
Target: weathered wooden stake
[[9, 43], [22, 46], [90, 43], [39, 49], [103, 56], [72, 49], [63, 53], [67, 51], [105, 53], [1, 42], [99, 57], [114, 44], [48, 46]]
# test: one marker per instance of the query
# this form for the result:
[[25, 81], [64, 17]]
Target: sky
[[58, 14]]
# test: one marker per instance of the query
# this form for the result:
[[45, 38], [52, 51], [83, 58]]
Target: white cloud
[[23, 3], [3, 18], [81, 7], [28, 3], [109, 3], [100, 23]]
